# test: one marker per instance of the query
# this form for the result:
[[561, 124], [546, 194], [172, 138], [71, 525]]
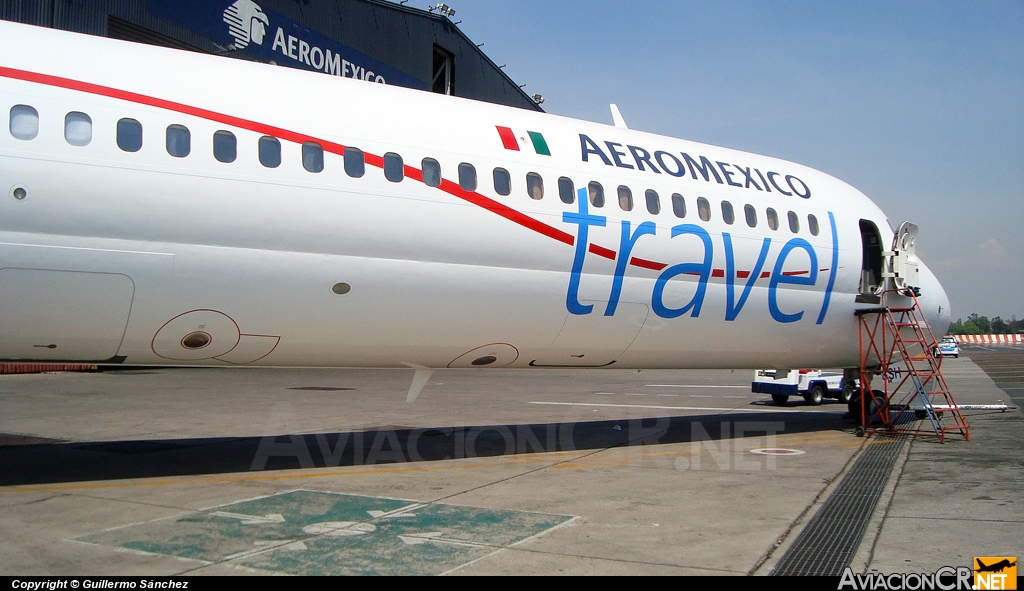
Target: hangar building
[[375, 40]]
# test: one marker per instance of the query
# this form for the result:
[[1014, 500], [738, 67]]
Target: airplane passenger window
[[678, 205], [312, 157], [812, 224], [773, 219], [129, 135], [225, 146], [431, 172], [704, 209], [653, 202], [179, 141], [794, 223], [596, 192], [355, 164], [502, 182], [566, 190], [751, 214], [78, 129], [394, 168], [270, 151], [535, 186], [727, 213], [24, 122], [625, 198], [467, 177]]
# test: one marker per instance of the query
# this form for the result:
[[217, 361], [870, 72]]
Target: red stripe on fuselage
[[284, 134], [646, 264], [373, 160], [602, 251]]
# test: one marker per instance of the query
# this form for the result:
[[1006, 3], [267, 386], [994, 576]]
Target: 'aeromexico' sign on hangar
[[271, 37]]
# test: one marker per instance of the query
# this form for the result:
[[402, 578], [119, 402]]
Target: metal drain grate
[[827, 544]]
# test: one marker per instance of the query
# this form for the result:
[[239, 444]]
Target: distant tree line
[[982, 325]]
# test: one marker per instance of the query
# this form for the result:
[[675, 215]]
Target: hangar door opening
[[444, 72]]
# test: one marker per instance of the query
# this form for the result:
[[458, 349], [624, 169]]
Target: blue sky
[[920, 105]]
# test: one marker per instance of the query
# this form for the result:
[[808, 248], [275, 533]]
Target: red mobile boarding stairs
[[897, 345]]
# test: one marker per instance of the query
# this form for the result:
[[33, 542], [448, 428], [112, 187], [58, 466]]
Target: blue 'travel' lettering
[[733, 310], [572, 298], [702, 269], [778, 278], [625, 248], [832, 269]]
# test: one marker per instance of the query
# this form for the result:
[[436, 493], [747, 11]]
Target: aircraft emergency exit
[[167, 207]]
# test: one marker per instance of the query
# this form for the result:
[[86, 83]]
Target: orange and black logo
[[995, 572]]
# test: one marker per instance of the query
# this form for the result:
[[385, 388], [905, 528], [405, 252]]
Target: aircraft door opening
[[871, 261]]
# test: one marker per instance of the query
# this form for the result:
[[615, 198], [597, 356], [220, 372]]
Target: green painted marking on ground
[[320, 533]]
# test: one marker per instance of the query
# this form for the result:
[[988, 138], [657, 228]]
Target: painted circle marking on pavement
[[777, 451]]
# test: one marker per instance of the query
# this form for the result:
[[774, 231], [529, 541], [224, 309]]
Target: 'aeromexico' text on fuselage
[[736, 175]]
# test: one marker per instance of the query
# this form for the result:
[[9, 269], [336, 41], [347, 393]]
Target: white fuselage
[[133, 256]]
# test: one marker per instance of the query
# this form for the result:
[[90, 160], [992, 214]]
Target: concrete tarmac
[[236, 471]]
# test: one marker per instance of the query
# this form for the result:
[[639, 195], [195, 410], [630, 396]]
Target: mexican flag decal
[[509, 141]]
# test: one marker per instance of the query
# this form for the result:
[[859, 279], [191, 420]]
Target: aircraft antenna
[[617, 117]]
